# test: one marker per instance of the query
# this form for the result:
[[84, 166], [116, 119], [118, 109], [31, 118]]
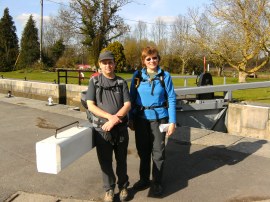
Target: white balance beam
[[55, 153]]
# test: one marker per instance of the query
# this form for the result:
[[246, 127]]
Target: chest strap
[[141, 108]]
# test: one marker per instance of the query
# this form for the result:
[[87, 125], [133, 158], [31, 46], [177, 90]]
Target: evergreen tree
[[119, 55], [53, 53], [57, 50], [9, 45], [29, 45]]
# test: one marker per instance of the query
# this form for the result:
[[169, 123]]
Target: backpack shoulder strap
[[138, 78], [96, 80], [119, 81], [119, 84], [161, 78], [98, 86]]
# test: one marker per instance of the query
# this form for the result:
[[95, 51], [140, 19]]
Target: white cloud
[[23, 18]]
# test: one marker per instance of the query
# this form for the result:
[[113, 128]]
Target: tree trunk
[[183, 67], [218, 72], [242, 77]]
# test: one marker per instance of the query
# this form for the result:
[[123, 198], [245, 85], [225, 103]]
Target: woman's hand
[[171, 129]]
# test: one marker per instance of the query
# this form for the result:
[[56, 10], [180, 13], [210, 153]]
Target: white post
[[41, 30]]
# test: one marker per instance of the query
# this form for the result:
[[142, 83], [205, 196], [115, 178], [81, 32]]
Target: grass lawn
[[256, 95]]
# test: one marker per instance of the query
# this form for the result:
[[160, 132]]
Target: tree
[[53, 53], [140, 31], [63, 27], [98, 22], [119, 56], [182, 48], [159, 34], [133, 49], [57, 50], [29, 45], [68, 59], [132, 53], [237, 31], [9, 45]]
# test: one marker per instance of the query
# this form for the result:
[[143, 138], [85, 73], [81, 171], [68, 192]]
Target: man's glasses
[[153, 58]]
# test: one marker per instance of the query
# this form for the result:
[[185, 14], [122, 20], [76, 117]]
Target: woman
[[153, 102]]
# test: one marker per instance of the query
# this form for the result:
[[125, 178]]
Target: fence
[[66, 76], [226, 89]]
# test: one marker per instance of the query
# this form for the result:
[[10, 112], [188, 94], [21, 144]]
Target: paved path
[[201, 165]]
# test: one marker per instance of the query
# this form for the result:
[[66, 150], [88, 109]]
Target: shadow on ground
[[181, 165]]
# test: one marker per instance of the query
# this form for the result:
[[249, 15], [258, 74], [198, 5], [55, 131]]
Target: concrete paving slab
[[31, 197], [187, 134], [43, 106], [217, 139]]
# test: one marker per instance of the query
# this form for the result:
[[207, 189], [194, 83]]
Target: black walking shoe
[[141, 185], [158, 190]]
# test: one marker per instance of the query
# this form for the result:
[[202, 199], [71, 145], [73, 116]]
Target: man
[[109, 102]]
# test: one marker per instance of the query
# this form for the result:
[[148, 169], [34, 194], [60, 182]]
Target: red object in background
[[95, 74], [84, 67]]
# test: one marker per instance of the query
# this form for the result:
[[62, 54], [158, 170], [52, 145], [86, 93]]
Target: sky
[[139, 10]]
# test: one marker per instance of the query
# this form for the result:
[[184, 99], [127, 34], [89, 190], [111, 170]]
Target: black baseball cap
[[106, 55]]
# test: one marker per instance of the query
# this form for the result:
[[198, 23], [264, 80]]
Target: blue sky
[[144, 10]]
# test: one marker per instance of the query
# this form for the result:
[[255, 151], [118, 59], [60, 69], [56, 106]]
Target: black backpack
[[138, 79], [99, 90]]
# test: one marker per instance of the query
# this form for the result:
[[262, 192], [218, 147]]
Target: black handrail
[[65, 127], [66, 75]]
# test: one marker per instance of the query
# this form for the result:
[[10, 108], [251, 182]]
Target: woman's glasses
[[153, 58]]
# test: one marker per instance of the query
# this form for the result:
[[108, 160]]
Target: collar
[[144, 70]]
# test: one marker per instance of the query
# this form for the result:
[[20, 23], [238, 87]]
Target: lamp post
[[204, 63], [41, 30]]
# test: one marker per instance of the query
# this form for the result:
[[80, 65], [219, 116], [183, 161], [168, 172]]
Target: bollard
[[185, 82], [50, 101], [224, 80], [9, 94]]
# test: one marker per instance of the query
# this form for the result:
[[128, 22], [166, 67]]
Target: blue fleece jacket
[[142, 97]]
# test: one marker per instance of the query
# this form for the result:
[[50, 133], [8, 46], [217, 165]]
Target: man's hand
[[112, 121], [115, 119]]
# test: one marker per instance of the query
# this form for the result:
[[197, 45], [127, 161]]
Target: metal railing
[[226, 89], [66, 76]]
